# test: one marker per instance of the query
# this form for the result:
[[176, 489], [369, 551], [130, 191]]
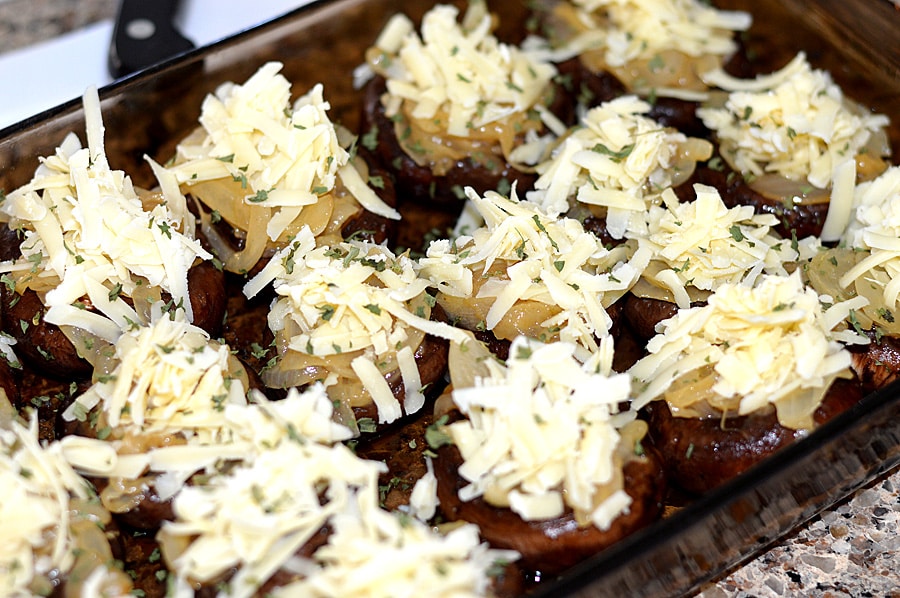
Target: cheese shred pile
[[748, 349], [700, 245], [49, 533], [268, 166], [653, 47], [640, 28], [284, 155], [158, 405], [298, 486], [166, 374], [542, 434], [874, 233], [353, 301], [523, 256], [375, 553], [620, 160], [460, 70], [87, 234], [796, 123], [263, 511], [37, 484]]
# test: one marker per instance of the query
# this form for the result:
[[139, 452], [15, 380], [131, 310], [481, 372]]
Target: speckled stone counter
[[24, 22], [851, 550]]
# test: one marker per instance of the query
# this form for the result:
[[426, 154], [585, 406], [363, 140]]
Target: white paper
[[55, 71]]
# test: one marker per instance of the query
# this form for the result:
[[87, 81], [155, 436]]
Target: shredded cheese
[[658, 47], [542, 433], [299, 482], [771, 344], [875, 228], [374, 553], [795, 122], [459, 70], [353, 300], [702, 244], [41, 508], [423, 500], [7, 353], [166, 380], [167, 375], [87, 234], [522, 254], [296, 481], [252, 132], [641, 29], [284, 156], [259, 513], [620, 160]]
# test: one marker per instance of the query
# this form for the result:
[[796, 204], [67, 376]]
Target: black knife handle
[[144, 34]]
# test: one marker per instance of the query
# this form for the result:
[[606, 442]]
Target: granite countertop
[[852, 549], [24, 22]]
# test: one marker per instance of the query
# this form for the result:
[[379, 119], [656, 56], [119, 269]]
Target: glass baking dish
[[150, 111]]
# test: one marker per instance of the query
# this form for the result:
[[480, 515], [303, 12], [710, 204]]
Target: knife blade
[[143, 35]]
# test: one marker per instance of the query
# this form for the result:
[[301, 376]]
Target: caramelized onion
[[344, 208], [143, 297], [444, 404], [870, 159], [525, 317], [646, 288], [692, 396], [316, 216], [827, 267], [41, 285], [88, 346], [690, 152], [788, 191], [427, 142], [122, 495], [225, 198], [256, 240], [825, 272], [467, 362], [92, 551], [668, 68], [869, 166], [665, 69]]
